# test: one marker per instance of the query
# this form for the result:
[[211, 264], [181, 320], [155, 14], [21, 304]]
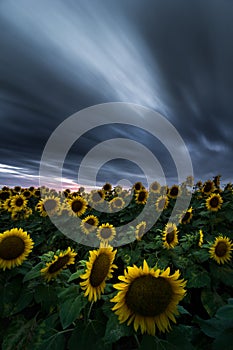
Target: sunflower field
[[168, 285]]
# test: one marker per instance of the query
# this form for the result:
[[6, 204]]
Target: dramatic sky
[[58, 57]]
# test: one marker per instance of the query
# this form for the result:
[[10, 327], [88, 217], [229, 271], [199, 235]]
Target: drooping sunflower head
[[116, 204], [140, 230], [170, 236], [18, 202], [161, 203], [15, 246], [107, 187], [155, 187], [148, 298], [217, 181], [106, 233], [59, 263], [6, 205], [78, 205], [49, 205], [186, 218], [17, 189], [174, 191], [214, 202], [208, 187], [141, 196], [99, 268], [221, 249], [89, 224]]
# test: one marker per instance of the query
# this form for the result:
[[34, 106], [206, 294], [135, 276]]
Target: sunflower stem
[[137, 341], [89, 311]]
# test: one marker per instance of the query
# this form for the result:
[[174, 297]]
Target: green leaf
[[210, 327], [24, 300], [76, 275], [115, 330], [211, 301], [224, 340], [34, 273], [181, 337], [54, 342], [225, 312], [154, 343], [70, 309], [47, 296]]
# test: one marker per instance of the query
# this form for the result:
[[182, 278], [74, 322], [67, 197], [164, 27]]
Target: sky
[[59, 57]]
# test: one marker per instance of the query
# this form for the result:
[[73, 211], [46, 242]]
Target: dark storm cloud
[[59, 57]]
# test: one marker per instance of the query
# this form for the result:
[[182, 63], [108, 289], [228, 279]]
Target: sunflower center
[[174, 191], [137, 186], [59, 264], [170, 236], [149, 296], [118, 202], [76, 206], [100, 270], [50, 204], [106, 232], [11, 247], [221, 249], [214, 202], [186, 216], [91, 222], [155, 187], [4, 195], [19, 202], [96, 197], [141, 230], [141, 196], [207, 187], [161, 203]]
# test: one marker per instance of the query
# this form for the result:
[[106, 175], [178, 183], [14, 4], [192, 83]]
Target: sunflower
[[214, 202], [106, 233], [221, 249], [141, 196], [4, 194], [89, 224], [17, 189], [27, 193], [6, 205], [97, 196], [190, 180], [174, 191], [18, 202], [65, 210], [99, 268], [170, 236], [138, 186], [208, 187], [186, 218], [148, 298], [140, 230], [78, 205], [15, 246], [107, 187], [49, 205], [201, 236], [116, 204], [118, 189], [155, 187], [23, 214], [161, 203], [36, 192], [59, 263]]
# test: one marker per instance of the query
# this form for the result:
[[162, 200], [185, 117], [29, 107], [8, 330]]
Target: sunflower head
[[186, 218], [161, 203], [107, 187], [170, 236], [155, 187], [4, 195], [49, 205], [190, 181], [174, 191], [140, 230], [89, 224], [208, 187], [15, 246], [97, 196], [18, 202], [138, 186], [214, 202], [106, 233], [148, 298], [141, 196], [59, 263], [116, 204], [99, 268], [221, 249], [78, 205]]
